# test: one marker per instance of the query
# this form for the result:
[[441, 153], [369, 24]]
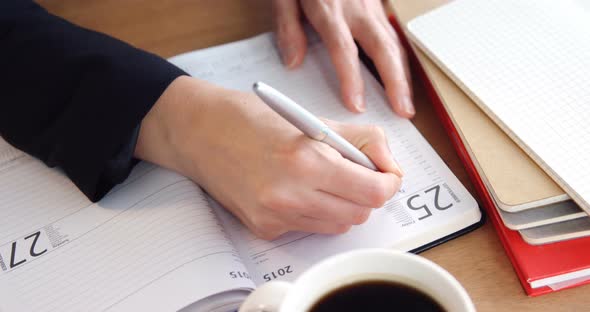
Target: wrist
[[190, 122], [158, 135]]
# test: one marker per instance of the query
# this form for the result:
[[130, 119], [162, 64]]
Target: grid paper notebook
[[526, 63]]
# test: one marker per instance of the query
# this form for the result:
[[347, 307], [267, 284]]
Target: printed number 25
[[437, 204]]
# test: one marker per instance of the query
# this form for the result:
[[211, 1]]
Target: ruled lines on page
[[25, 204], [145, 246]]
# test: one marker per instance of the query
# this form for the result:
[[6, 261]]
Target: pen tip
[[256, 85]]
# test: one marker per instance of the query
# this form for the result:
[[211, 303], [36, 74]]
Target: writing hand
[[261, 168]]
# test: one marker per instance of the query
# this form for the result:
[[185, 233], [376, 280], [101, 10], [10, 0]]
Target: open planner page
[[431, 204], [153, 244]]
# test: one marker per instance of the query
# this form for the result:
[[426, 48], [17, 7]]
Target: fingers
[[370, 140], [322, 192], [329, 208], [319, 213], [359, 184], [300, 223], [391, 32], [289, 31], [321, 167], [383, 47], [305, 197], [307, 224], [305, 210], [327, 19], [338, 24]]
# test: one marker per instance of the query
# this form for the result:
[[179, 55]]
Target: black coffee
[[376, 295]]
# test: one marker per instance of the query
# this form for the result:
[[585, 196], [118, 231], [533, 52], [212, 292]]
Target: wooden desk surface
[[167, 28]]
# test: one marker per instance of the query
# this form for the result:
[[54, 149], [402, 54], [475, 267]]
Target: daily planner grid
[[527, 65]]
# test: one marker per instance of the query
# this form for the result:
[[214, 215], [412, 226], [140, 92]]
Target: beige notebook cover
[[515, 181]]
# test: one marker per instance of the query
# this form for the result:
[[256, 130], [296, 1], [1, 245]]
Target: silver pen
[[310, 124]]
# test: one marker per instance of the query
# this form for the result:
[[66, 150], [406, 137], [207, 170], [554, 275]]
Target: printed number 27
[[32, 252], [437, 203]]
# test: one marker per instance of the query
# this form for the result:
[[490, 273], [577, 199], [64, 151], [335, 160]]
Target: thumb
[[289, 31], [370, 140]]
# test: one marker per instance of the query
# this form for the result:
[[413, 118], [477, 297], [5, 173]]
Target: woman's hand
[[339, 23], [260, 167]]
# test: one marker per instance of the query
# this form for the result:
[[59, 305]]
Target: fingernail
[[407, 105], [398, 167], [290, 56], [359, 103]]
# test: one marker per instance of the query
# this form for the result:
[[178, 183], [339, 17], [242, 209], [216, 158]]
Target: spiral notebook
[[525, 63]]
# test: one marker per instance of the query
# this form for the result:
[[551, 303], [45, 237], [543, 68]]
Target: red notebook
[[533, 264]]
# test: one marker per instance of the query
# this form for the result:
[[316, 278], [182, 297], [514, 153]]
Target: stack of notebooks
[[510, 83]]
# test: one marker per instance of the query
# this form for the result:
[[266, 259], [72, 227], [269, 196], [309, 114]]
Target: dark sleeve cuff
[[75, 98], [96, 142], [119, 167]]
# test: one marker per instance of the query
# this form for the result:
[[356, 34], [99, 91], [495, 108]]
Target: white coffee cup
[[355, 266]]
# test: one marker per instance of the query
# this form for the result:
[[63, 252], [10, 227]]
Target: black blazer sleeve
[[72, 97]]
